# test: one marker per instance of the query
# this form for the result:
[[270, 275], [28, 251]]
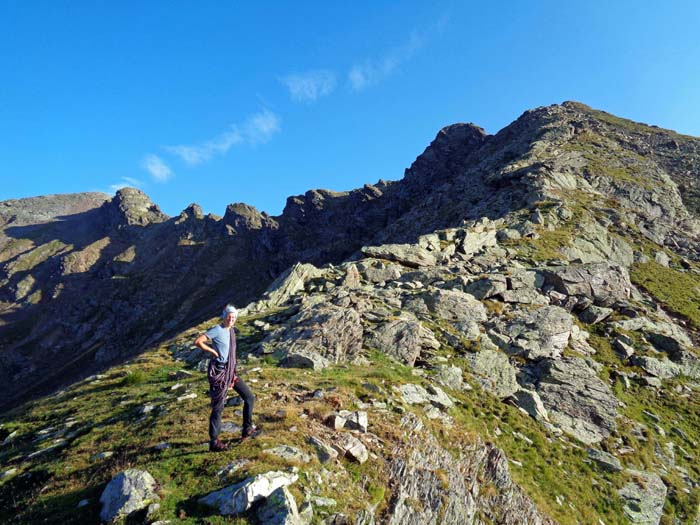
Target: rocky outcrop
[[132, 207], [596, 245], [400, 339], [460, 309], [494, 371], [667, 337], [47, 208], [541, 333], [601, 283], [576, 399], [287, 284], [406, 254], [450, 490], [319, 334]]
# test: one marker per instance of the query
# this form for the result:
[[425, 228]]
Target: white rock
[[352, 447], [238, 498], [183, 397]]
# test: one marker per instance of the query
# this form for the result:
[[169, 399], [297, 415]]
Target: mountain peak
[[450, 147], [132, 207]]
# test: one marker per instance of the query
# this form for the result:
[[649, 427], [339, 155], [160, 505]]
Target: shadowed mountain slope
[[508, 334], [90, 281]]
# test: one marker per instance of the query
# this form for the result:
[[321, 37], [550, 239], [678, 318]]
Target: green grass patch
[[135, 377], [604, 157], [678, 291], [30, 259]]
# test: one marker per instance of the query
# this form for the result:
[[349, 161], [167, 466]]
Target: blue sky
[[221, 102]]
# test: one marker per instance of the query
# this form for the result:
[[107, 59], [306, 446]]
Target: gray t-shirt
[[221, 338]]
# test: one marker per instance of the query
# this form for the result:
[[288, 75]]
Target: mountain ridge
[[499, 174], [508, 334]]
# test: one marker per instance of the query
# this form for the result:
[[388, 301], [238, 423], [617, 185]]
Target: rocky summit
[[508, 334]]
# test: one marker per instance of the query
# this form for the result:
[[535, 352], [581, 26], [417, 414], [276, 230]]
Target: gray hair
[[230, 309]]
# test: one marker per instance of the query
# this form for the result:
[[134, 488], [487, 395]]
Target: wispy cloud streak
[[124, 183], [373, 71], [199, 153], [158, 169], [310, 86], [257, 129], [370, 72]]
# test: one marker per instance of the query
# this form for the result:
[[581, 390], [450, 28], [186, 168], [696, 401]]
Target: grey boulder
[[413, 394], [595, 314], [494, 371], [280, 508], [289, 282], [238, 498], [644, 498], [352, 448], [604, 460], [487, 286], [400, 339], [603, 283], [319, 334], [458, 308], [289, 453], [410, 255], [127, 492], [530, 402], [544, 332]]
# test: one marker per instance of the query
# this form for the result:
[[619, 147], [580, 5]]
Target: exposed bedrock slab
[[603, 283], [577, 400]]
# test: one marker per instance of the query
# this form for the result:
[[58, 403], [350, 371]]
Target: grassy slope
[[47, 488]]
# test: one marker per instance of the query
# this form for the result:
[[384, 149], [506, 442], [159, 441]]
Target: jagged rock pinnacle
[[133, 207]]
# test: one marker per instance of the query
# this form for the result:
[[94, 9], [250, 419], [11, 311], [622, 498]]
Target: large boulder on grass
[[127, 492], [238, 498], [280, 508]]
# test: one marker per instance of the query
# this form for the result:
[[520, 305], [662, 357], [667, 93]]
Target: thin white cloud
[[372, 71], [260, 127], [257, 129], [310, 86], [158, 169], [125, 182], [136, 183], [200, 153]]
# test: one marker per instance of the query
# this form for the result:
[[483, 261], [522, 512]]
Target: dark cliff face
[[89, 281]]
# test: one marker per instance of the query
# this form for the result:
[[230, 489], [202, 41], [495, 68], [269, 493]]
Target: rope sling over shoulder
[[220, 379]]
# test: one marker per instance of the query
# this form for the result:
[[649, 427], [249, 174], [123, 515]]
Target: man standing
[[222, 375]]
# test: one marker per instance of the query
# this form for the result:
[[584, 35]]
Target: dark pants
[[248, 401]]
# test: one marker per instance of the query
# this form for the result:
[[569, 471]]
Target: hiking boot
[[250, 432], [217, 446]]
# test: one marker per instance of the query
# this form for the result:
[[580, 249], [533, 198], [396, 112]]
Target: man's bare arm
[[201, 342]]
